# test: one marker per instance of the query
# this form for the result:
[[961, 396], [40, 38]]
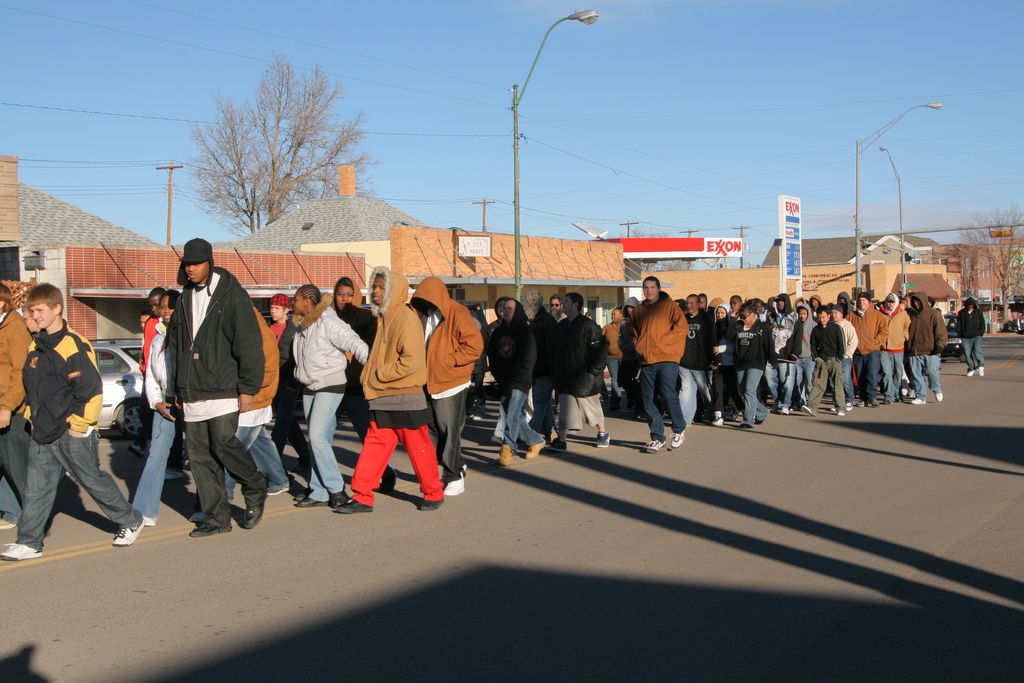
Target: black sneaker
[[388, 481], [430, 505], [352, 506], [251, 517], [558, 445]]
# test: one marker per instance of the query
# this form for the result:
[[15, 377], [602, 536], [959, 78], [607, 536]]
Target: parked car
[[1014, 325], [955, 345], [118, 363]]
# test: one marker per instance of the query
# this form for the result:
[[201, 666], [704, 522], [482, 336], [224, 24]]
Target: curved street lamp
[[861, 146], [587, 17], [903, 243]]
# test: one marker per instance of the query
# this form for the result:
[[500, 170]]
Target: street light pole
[[903, 241], [861, 146], [587, 17]]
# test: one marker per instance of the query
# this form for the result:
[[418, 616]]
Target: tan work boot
[[533, 451], [505, 457]]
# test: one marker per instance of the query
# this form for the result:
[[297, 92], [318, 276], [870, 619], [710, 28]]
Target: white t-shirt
[[198, 411]]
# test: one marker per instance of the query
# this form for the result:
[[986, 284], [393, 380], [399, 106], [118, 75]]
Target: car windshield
[[134, 351]]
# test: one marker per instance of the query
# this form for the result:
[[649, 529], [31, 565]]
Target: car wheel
[[129, 419]]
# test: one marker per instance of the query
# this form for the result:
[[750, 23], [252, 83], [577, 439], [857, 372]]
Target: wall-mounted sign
[[471, 246]]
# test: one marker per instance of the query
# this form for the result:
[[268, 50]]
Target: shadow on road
[[505, 624]]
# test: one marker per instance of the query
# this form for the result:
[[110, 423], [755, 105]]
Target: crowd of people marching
[[412, 369]]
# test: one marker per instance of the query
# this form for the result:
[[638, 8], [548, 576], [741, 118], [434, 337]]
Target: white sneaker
[[148, 521], [849, 407], [654, 446], [718, 421], [970, 373], [4, 524], [456, 487], [127, 535], [784, 410], [981, 372], [197, 517], [938, 397], [678, 439], [16, 552], [918, 402], [841, 413]]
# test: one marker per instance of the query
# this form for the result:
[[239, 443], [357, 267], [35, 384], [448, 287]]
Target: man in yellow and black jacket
[[63, 394]]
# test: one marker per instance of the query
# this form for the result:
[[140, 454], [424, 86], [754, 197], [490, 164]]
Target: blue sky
[[679, 115]]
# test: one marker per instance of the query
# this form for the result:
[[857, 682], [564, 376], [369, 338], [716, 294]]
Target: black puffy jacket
[[581, 356]]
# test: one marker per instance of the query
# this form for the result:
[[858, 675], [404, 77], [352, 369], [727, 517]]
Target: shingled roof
[[44, 219], [829, 251], [337, 219]]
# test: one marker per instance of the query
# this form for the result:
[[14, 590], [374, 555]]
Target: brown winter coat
[[271, 369], [14, 343], [899, 330], [872, 329], [455, 344], [397, 362], [658, 330]]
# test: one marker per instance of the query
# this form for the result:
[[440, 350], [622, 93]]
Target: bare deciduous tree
[[997, 261], [262, 157]]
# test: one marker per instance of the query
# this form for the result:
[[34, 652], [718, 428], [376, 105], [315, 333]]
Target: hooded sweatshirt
[[927, 330], [754, 346], [970, 321], [700, 342], [454, 344], [14, 342], [363, 323], [512, 352], [782, 324], [724, 350], [899, 325], [799, 345], [397, 364]]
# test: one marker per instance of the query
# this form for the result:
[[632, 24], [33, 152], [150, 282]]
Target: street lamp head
[[882, 149], [590, 16], [934, 105]]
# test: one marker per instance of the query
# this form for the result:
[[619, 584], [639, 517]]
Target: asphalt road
[[885, 545]]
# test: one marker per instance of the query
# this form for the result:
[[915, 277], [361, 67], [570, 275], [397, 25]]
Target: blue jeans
[[925, 367], [14, 445], [804, 379], [151, 483], [868, 367], [264, 454], [784, 377], [80, 457], [892, 374], [658, 389], [516, 426], [321, 416], [543, 420], [975, 354], [690, 382], [749, 379], [848, 380], [616, 394]]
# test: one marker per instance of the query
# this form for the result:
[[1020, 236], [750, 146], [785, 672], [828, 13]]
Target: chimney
[[347, 181], [10, 220]]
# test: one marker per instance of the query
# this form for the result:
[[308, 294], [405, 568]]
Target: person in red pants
[[393, 382]]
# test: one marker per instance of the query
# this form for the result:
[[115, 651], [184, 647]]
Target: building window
[[943, 261]]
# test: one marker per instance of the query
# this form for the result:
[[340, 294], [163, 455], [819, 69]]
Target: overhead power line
[[243, 56]]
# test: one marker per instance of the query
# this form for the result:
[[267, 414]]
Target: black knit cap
[[196, 250]]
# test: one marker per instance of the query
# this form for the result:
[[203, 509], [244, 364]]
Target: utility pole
[[743, 231], [689, 232], [485, 202], [170, 193], [628, 224]]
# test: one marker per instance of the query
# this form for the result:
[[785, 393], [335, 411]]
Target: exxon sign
[[723, 247]]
